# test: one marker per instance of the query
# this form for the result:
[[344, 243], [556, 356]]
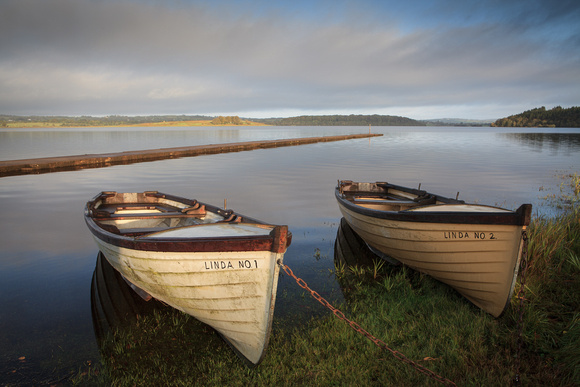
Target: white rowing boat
[[216, 265]]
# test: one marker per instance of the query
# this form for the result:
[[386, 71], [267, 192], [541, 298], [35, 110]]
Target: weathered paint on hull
[[480, 261], [233, 292]]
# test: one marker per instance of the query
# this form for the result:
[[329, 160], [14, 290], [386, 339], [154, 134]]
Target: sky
[[421, 59]]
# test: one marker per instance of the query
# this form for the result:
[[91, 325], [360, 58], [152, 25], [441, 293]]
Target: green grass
[[411, 313], [552, 318]]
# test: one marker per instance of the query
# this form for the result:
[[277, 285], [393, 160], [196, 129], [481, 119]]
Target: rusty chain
[[521, 295], [398, 355]]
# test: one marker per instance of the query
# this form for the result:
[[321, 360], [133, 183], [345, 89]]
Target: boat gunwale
[[519, 217], [276, 241], [153, 198]]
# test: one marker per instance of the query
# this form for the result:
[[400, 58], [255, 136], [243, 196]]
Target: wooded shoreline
[[557, 117], [64, 125], [54, 122]]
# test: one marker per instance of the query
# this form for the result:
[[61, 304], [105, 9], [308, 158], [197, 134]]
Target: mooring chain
[[521, 296], [359, 329]]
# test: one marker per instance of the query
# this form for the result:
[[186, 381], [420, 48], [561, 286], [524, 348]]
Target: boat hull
[[233, 292], [480, 260]]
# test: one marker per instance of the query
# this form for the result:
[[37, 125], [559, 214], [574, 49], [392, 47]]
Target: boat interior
[[383, 196], [144, 218], [384, 204]]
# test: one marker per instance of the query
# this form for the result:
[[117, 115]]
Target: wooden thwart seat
[[156, 211], [150, 215], [141, 231]]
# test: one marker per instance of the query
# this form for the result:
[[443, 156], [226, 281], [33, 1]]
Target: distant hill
[[540, 117], [457, 122], [115, 120], [342, 120]]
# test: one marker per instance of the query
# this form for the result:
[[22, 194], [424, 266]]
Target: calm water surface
[[47, 255]]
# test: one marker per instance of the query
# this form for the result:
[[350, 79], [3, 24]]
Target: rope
[[398, 355]]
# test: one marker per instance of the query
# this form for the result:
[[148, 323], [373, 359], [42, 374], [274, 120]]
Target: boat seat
[[131, 231], [158, 212], [395, 200], [389, 205], [140, 231], [382, 201], [145, 215]]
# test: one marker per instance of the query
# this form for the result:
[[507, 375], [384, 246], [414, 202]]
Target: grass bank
[[411, 313]]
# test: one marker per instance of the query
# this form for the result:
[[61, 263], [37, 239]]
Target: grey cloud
[[127, 57]]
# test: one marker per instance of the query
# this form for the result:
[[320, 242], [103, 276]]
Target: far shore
[[41, 124]]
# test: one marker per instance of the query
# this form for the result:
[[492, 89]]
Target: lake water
[[47, 255]]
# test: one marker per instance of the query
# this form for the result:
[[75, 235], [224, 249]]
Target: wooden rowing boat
[[214, 264], [474, 248]]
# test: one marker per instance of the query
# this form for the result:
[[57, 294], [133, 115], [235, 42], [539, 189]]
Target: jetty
[[76, 162]]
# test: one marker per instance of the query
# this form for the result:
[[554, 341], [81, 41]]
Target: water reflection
[[555, 142], [114, 305], [47, 256], [23, 143], [354, 261], [350, 250], [136, 337]]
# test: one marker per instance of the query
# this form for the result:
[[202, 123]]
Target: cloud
[[147, 57]]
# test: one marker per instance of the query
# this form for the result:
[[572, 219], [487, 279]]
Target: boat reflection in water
[[355, 260], [350, 250], [114, 304], [147, 329]]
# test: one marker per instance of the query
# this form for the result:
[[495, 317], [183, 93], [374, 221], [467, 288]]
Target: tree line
[[540, 117], [342, 120], [114, 120], [557, 117], [227, 120], [64, 121]]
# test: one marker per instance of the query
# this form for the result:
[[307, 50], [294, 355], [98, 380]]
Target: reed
[[551, 314]]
